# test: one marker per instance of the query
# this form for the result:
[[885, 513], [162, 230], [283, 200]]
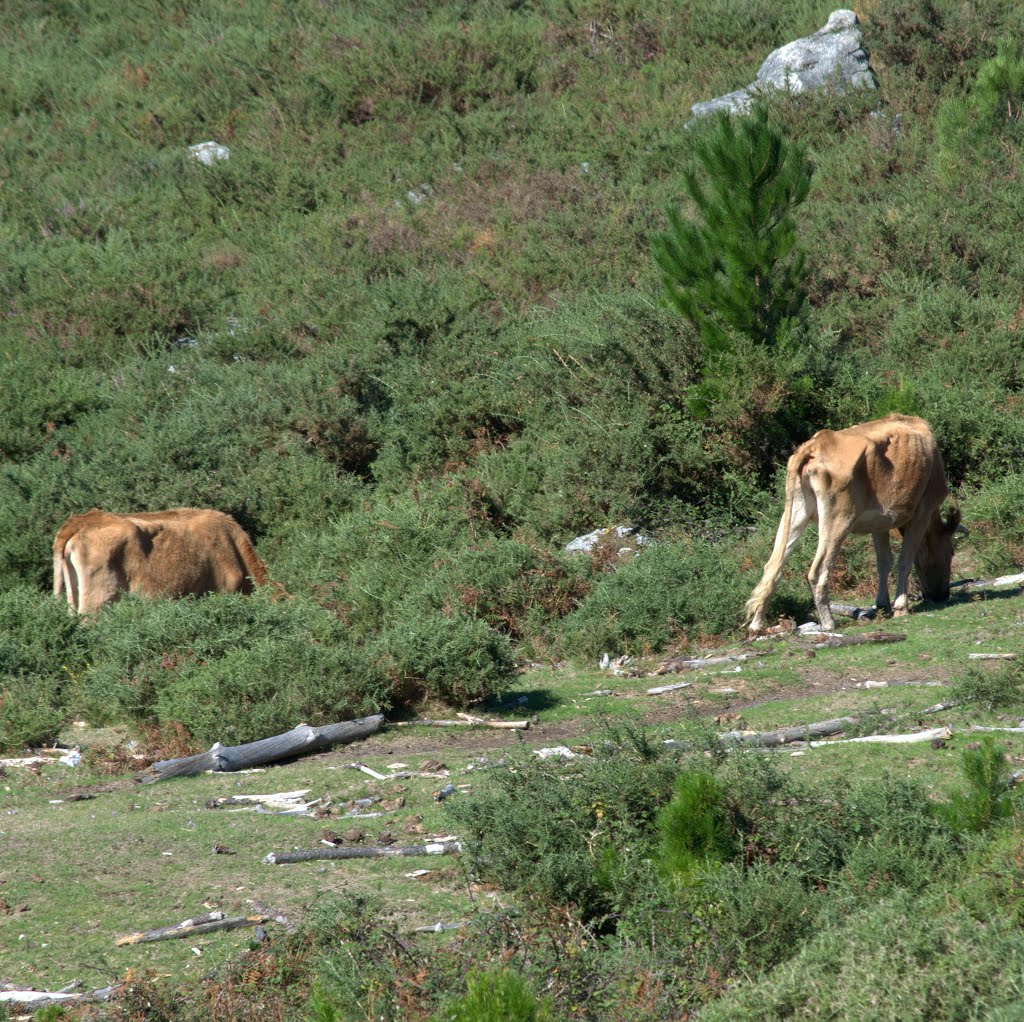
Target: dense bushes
[[370, 334]]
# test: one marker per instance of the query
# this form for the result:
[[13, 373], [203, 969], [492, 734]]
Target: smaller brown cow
[[186, 551], [870, 478]]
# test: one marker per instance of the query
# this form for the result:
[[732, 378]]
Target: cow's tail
[[755, 608], [254, 567], [61, 582], [58, 571]]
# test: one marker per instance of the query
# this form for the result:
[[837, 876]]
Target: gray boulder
[[834, 55]]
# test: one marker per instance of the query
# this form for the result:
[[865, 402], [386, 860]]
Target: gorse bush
[[695, 828], [228, 668], [581, 843], [376, 310], [970, 129], [988, 795], [965, 968], [495, 997]]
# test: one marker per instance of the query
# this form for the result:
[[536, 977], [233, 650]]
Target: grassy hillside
[[411, 334]]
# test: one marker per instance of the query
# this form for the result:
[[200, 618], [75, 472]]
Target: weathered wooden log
[[931, 735], [834, 641], [508, 725], [988, 583], [695, 663], [857, 613], [947, 704], [371, 852], [299, 741], [662, 689], [900, 684], [785, 735], [190, 928], [991, 656]]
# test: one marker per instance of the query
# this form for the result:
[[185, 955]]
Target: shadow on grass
[[518, 701]]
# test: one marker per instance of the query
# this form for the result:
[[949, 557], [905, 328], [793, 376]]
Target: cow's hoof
[[900, 612]]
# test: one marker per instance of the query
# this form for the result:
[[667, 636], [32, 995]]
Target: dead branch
[[857, 613], [190, 928], [931, 735], [662, 689], [987, 583], [509, 725], [299, 741], [693, 664], [785, 735], [383, 852], [991, 656]]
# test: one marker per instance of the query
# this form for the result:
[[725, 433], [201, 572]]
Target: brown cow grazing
[[187, 551], [874, 477]]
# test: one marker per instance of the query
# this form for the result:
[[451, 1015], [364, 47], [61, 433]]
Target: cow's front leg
[[883, 561], [912, 537]]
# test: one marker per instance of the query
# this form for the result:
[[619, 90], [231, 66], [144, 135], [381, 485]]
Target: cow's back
[[889, 467], [191, 552]]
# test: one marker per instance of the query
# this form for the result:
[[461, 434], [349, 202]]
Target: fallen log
[[508, 725], [857, 613], [785, 735], [900, 684], [987, 583], [834, 641], [374, 852], [693, 664], [931, 735], [797, 733], [661, 689], [939, 707], [440, 927], [299, 741], [190, 928], [991, 656]]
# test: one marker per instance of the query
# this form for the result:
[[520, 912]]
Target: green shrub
[[229, 668], [1001, 689], [672, 590], [495, 997], [968, 128], [988, 797], [42, 657], [32, 711], [695, 828], [904, 959], [581, 843], [456, 659]]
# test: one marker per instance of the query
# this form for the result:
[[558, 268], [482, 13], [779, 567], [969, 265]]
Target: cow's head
[[934, 560]]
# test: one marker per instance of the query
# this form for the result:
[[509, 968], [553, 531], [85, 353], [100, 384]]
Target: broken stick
[[509, 725], [190, 928], [438, 848], [661, 689]]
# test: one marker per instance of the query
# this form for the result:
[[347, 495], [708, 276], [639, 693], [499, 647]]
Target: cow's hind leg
[[883, 561], [831, 533], [801, 512]]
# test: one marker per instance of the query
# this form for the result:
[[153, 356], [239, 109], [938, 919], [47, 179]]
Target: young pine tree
[[734, 269]]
